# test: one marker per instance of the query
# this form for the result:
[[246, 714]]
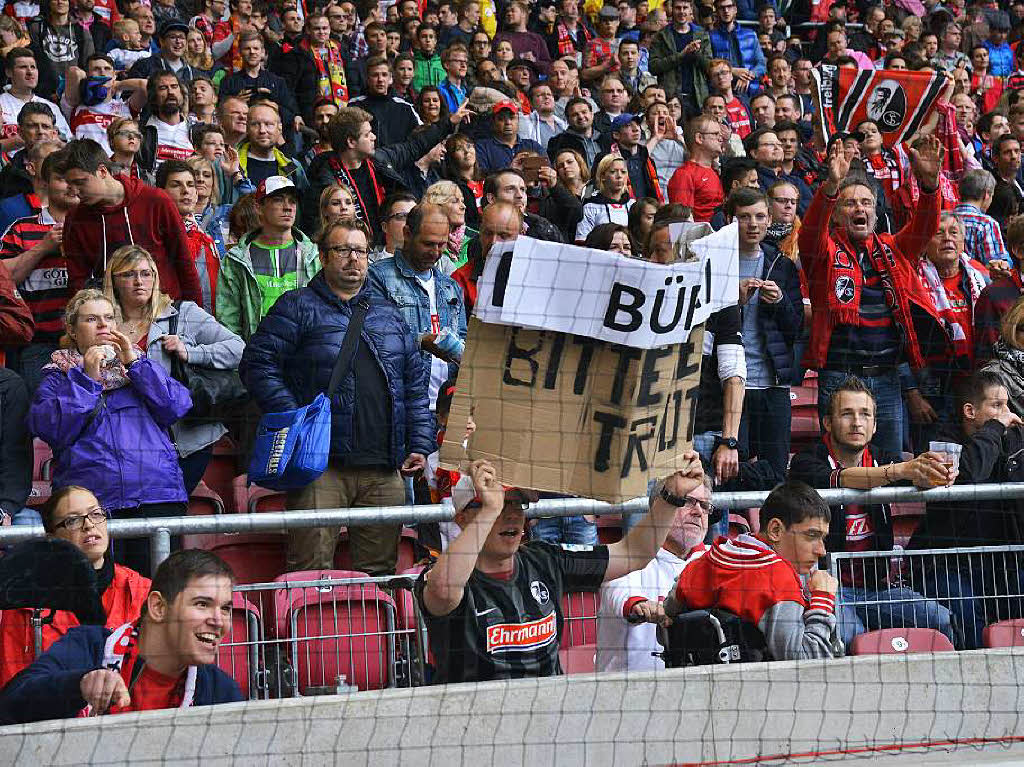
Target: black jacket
[[280, 92], [297, 68], [993, 454], [394, 119], [14, 179]]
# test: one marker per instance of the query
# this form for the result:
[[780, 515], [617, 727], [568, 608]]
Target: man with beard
[[626, 640], [165, 136]]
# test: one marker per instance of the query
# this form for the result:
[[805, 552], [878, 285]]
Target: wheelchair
[[708, 637]]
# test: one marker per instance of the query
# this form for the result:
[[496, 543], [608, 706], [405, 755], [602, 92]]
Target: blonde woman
[[211, 216], [336, 203], [105, 410], [448, 196], [144, 316], [1008, 356], [611, 203], [197, 52]]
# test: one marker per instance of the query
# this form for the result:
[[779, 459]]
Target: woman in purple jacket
[[105, 410]]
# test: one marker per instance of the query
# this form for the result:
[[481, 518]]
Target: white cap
[[274, 184]]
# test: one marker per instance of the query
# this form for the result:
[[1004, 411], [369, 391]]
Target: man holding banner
[[870, 311]]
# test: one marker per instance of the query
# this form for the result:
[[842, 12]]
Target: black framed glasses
[[76, 522], [706, 506]]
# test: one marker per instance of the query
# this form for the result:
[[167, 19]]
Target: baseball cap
[[172, 25], [623, 120], [501, 105], [843, 135], [463, 493], [521, 62], [608, 12], [276, 185]]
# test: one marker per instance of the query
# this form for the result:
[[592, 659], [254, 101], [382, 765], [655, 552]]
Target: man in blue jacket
[[739, 46], [381, 426], [163, 660]]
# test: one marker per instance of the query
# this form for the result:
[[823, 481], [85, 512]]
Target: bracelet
[[888, 479]]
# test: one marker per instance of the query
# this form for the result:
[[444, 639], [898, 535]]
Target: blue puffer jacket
[[780, 323], [50, 688], [751, 56], [125, 455], [289, 360]]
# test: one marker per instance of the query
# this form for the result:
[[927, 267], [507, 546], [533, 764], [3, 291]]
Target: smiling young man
[[491, 604], [162, 660]]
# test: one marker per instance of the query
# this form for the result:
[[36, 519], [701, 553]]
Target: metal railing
[[160, 529]]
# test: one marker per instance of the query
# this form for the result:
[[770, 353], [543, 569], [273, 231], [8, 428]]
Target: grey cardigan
[[210, 345]]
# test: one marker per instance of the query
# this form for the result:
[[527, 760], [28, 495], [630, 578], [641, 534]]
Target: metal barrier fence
[[160, 530], [978, 585]]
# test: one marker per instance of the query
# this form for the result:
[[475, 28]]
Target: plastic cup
[[950, 451]]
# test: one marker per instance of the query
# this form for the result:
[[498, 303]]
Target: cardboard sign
[[607, 296], [572, 414]]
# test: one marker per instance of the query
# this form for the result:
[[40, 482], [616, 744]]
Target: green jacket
[[427, 71], [239, 296], [666, 64]]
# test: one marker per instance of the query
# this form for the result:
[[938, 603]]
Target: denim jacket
[[395, 280]]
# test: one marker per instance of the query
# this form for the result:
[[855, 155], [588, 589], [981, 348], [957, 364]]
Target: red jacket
[[822, 249], [17, 325], [466, 278], [147, 218], [122, 602]]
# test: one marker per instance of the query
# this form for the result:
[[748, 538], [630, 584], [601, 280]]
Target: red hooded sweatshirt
[[145, 217]]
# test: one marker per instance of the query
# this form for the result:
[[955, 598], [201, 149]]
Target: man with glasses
[[394, 212], [739, 46], [696, 184], [73, 514], [381, 426], [455, 60], [797, 166], [626, 640], [171, 57]]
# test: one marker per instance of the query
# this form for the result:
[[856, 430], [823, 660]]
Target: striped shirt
[[45, 289], [982, 239]]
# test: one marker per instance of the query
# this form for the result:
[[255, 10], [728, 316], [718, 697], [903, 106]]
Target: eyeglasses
[[345, 250], [397, 217], [129, 134], [76, 522], [142, 274], [705, 506]]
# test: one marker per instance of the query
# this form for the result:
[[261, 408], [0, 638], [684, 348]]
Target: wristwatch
[[730, 442], [671, 499]]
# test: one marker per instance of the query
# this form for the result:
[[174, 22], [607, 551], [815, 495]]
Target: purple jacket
[[124, 456]]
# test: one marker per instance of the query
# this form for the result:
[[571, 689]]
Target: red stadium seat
[[1004, 634], [204, 501], [42, 460], [39, 494], [578, 659], [899, 642], [254, 557], [239, 654], [221, 470], [253, 498], [609, 529], [906, 517], [579, 609], [346, 630]]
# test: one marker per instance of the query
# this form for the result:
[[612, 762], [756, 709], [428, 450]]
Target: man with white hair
[[626, 640]]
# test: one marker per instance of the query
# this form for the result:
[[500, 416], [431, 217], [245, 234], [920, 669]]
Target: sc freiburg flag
[[899, 101]]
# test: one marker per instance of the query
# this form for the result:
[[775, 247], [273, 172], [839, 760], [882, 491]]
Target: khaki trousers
[[374, 547]]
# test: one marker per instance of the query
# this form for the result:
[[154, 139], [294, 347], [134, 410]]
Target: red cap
[[505, 105]]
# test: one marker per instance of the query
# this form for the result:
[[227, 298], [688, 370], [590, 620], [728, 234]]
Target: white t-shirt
[[10, 107], [92, 122], [623, 646], [438, 367], [172, 141]]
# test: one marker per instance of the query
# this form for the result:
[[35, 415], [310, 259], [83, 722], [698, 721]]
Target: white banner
[[603, 295]]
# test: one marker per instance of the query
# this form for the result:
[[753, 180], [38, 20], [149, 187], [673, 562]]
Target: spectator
[[394, 214], [1008, 196], [758, 578], [983, 241], [202, 100], [252, 79], [510, 186], [626, 640], [500, 221], [198, 55], [23, 78], [106, 418], [525, 44], [430, 106], [267, 262], [847, 457], [404, 70], [762, 110], [16, 328], [394, 119], [21, 205], [664, 147], [35, 124], [127, 41], [145, 317], [738, 45], [455, 60], [634, 78], [336, 203], [641, 219], [210, 214], [448, 196], [612, 201], [998, 51], [96, 99], [459, 165], [613, 238], [429, 300], [74, 514], [171, 58], [232, 117], [380, 419], [737, 108], [428, 67], [570, 34], [580, 135], [679, 57], [226, 44], [613, 99], [572, 171], [542, 124], [454, 594], [696, 184], [465, 29], [855, 329], [496, 151], [125, 139], [599, 57], [259, 157], [772, 309], [57, 40], [1001, 294], [794, 169], [166, 133], [185, 616], [625, 142], [31, 252]]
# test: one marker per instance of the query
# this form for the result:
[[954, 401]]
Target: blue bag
[[292, 448]]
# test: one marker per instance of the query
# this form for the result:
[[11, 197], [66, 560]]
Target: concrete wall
[[688, 715]]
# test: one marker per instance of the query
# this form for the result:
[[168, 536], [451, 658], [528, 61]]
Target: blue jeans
[[888, 395], [573, 529], [899, 608], [766, 426]]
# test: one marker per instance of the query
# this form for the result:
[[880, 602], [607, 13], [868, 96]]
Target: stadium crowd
[[297, 190]]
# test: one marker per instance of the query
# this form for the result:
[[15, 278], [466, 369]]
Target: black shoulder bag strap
[[347, 353]]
